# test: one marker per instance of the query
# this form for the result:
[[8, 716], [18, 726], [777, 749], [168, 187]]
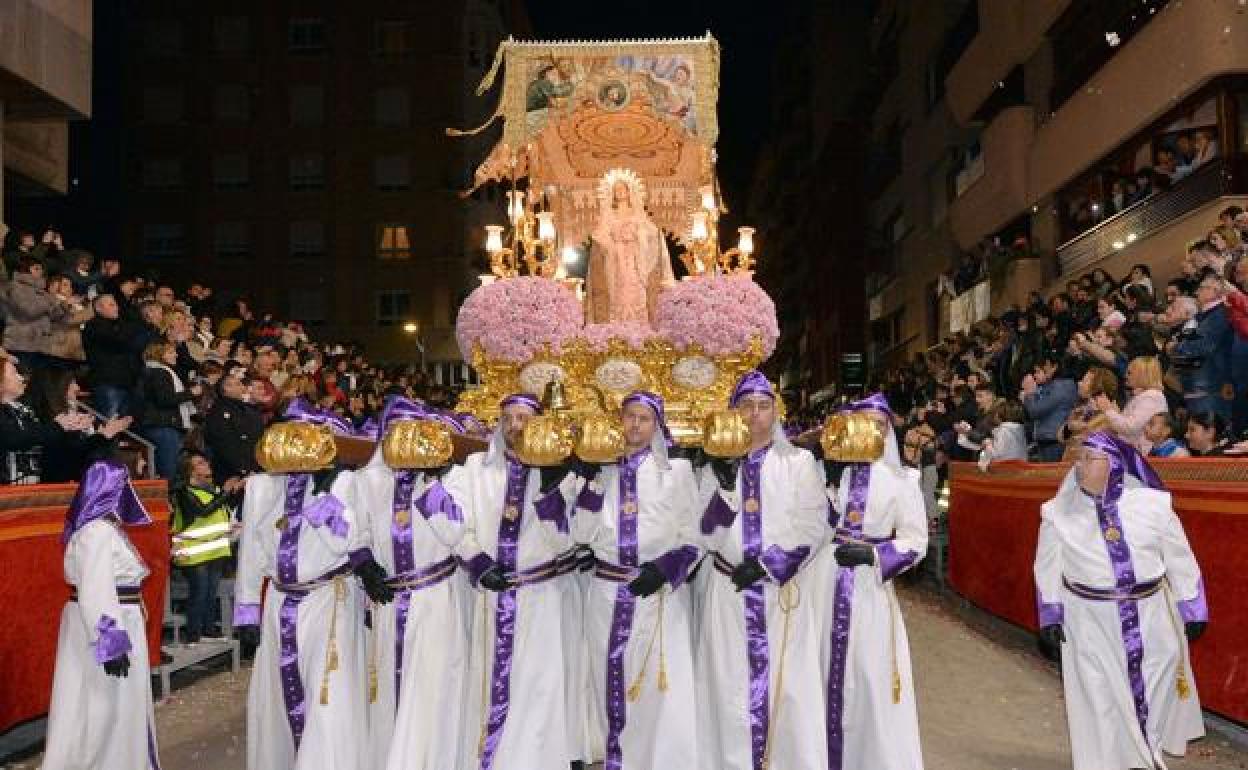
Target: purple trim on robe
[[758, 650], [288, 543], [552, 508], [113, 641], [436, 500], [842, 607], [246, 614], [504, 614], [893, 562], [288, 667], [622, 614], [360, 556], [718, 514], [153, 758], [589, 500], [1196, 609], [327, 510], [782, 565], [676, 563], [1049, 613], [404, 562]]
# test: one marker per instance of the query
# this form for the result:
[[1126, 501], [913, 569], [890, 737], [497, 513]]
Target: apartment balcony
[[1159, 66], [1000, 193]]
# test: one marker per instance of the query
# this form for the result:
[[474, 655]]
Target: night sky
[[747, 34]]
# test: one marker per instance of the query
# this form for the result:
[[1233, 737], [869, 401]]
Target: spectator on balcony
[[1137, 302], [64, 341], [1161, 432], [1202, 351], [1166, 166], [167, 406], [1048, 399], [1225, 245], [1204, 148], [1098, 385], [232, 429], [1147, 399], [1144, 185], [56, 393], [113, 357], [203, 332], [1119, 197], [1141, 275], [1008, 440], [85, 281], [1063, 319], [1110, 313], [1206, 434], [30, 310], [1228, 217], [1237, 316], [1103, 284], [1082, 308]]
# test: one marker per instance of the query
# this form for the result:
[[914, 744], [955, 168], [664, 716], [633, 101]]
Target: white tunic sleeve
[[91, 548], [441, 510], [909, 544], [1048, 571], [263, 493], [1182, 571]]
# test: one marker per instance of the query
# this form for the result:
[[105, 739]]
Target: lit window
[[393, 242]]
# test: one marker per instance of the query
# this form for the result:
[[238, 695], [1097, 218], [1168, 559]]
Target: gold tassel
[[331, 657], [634, 690], [1184, 690], [662, 650], [485, 681], [896, 686], [1181, 685]]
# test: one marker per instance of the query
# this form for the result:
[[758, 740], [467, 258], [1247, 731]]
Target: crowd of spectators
[[1162, 365], [91, 353]]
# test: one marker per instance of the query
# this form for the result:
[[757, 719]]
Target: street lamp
[[413, 328]]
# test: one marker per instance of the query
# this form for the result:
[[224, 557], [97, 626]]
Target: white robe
[[875, 732], [659, 728], [336, 732], [535, 733], [96, 721], [1104, 727], [419, 727], [794, 515]]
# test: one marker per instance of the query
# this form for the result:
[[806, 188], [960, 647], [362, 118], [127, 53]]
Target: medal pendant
[[283, 523], [403, 518], [511, 513], [751, 505], [1112, 534]]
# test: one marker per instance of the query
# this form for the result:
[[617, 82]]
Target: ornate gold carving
[[600, 439], [296, 447], [726, 434], [852, 437], [419, 444]]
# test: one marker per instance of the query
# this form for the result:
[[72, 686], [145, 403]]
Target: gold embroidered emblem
[[1112, 534], [511, 513], [283, 523], [751, 505], [403, 517], [854, 516]]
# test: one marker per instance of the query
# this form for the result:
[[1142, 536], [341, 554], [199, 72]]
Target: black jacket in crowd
[[159, 401], [65, 453], [231, 432], [114, 350]]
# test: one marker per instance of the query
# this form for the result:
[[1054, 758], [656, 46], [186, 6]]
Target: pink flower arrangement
[[632, 333], [722, 313], [514, 318]]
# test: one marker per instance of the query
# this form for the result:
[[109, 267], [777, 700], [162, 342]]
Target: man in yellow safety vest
[[201, 539]]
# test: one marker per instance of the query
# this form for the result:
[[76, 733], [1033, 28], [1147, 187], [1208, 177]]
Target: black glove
[[248, 637], [833, 470], [118, 667], [552, 476], [696, 457], [436, 474], [854, 555], [373, 577], [648, 581], [726, 472], [323, 481], [493, 579], [747, 574], [1051, 640], [586, 470], [1194, 630]]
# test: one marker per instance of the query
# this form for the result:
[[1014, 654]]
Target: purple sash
[[504, 613], [288, 574], [850, 527], [401, 540], [625, 605], [758, 650]]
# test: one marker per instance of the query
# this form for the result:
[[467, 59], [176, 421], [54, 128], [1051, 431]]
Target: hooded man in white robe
[[307, 701], [763, 516], [879, 523], [638, 516], [516, 552], [419, 641], [101, 711], [1119, 597]]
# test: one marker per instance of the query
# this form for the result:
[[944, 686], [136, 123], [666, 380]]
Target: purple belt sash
[[532, 576], [1131, 593], [842, 606], [614, 572], [846, 537]]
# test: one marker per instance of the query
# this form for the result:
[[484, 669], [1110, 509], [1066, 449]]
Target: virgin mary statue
[[628, 263]]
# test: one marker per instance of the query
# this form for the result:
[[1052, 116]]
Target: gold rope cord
[[331, 649], [662, 646], [634, 689], [789, 599], [1181, 685], [372, 660], [893, 611]]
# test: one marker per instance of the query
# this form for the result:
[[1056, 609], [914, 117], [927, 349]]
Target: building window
[[231, 104], [231, 171], [307, 172], [307, 239], [392, 106], [394, 242], [394, 306], [163, 105], [162, 174], [308, 305], [307, 105], [163, 241], [231, 35], [938, 193], [392, 172], [306, 35], [231, 240], [394, 38], [162, 37]]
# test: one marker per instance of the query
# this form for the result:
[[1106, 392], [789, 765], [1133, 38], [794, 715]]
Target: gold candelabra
[[703, 254], [531, 244]]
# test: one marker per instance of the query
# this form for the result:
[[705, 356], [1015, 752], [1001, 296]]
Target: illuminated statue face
[[620, 194]]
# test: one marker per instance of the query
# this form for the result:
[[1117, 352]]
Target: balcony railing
[[1148, 216]]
